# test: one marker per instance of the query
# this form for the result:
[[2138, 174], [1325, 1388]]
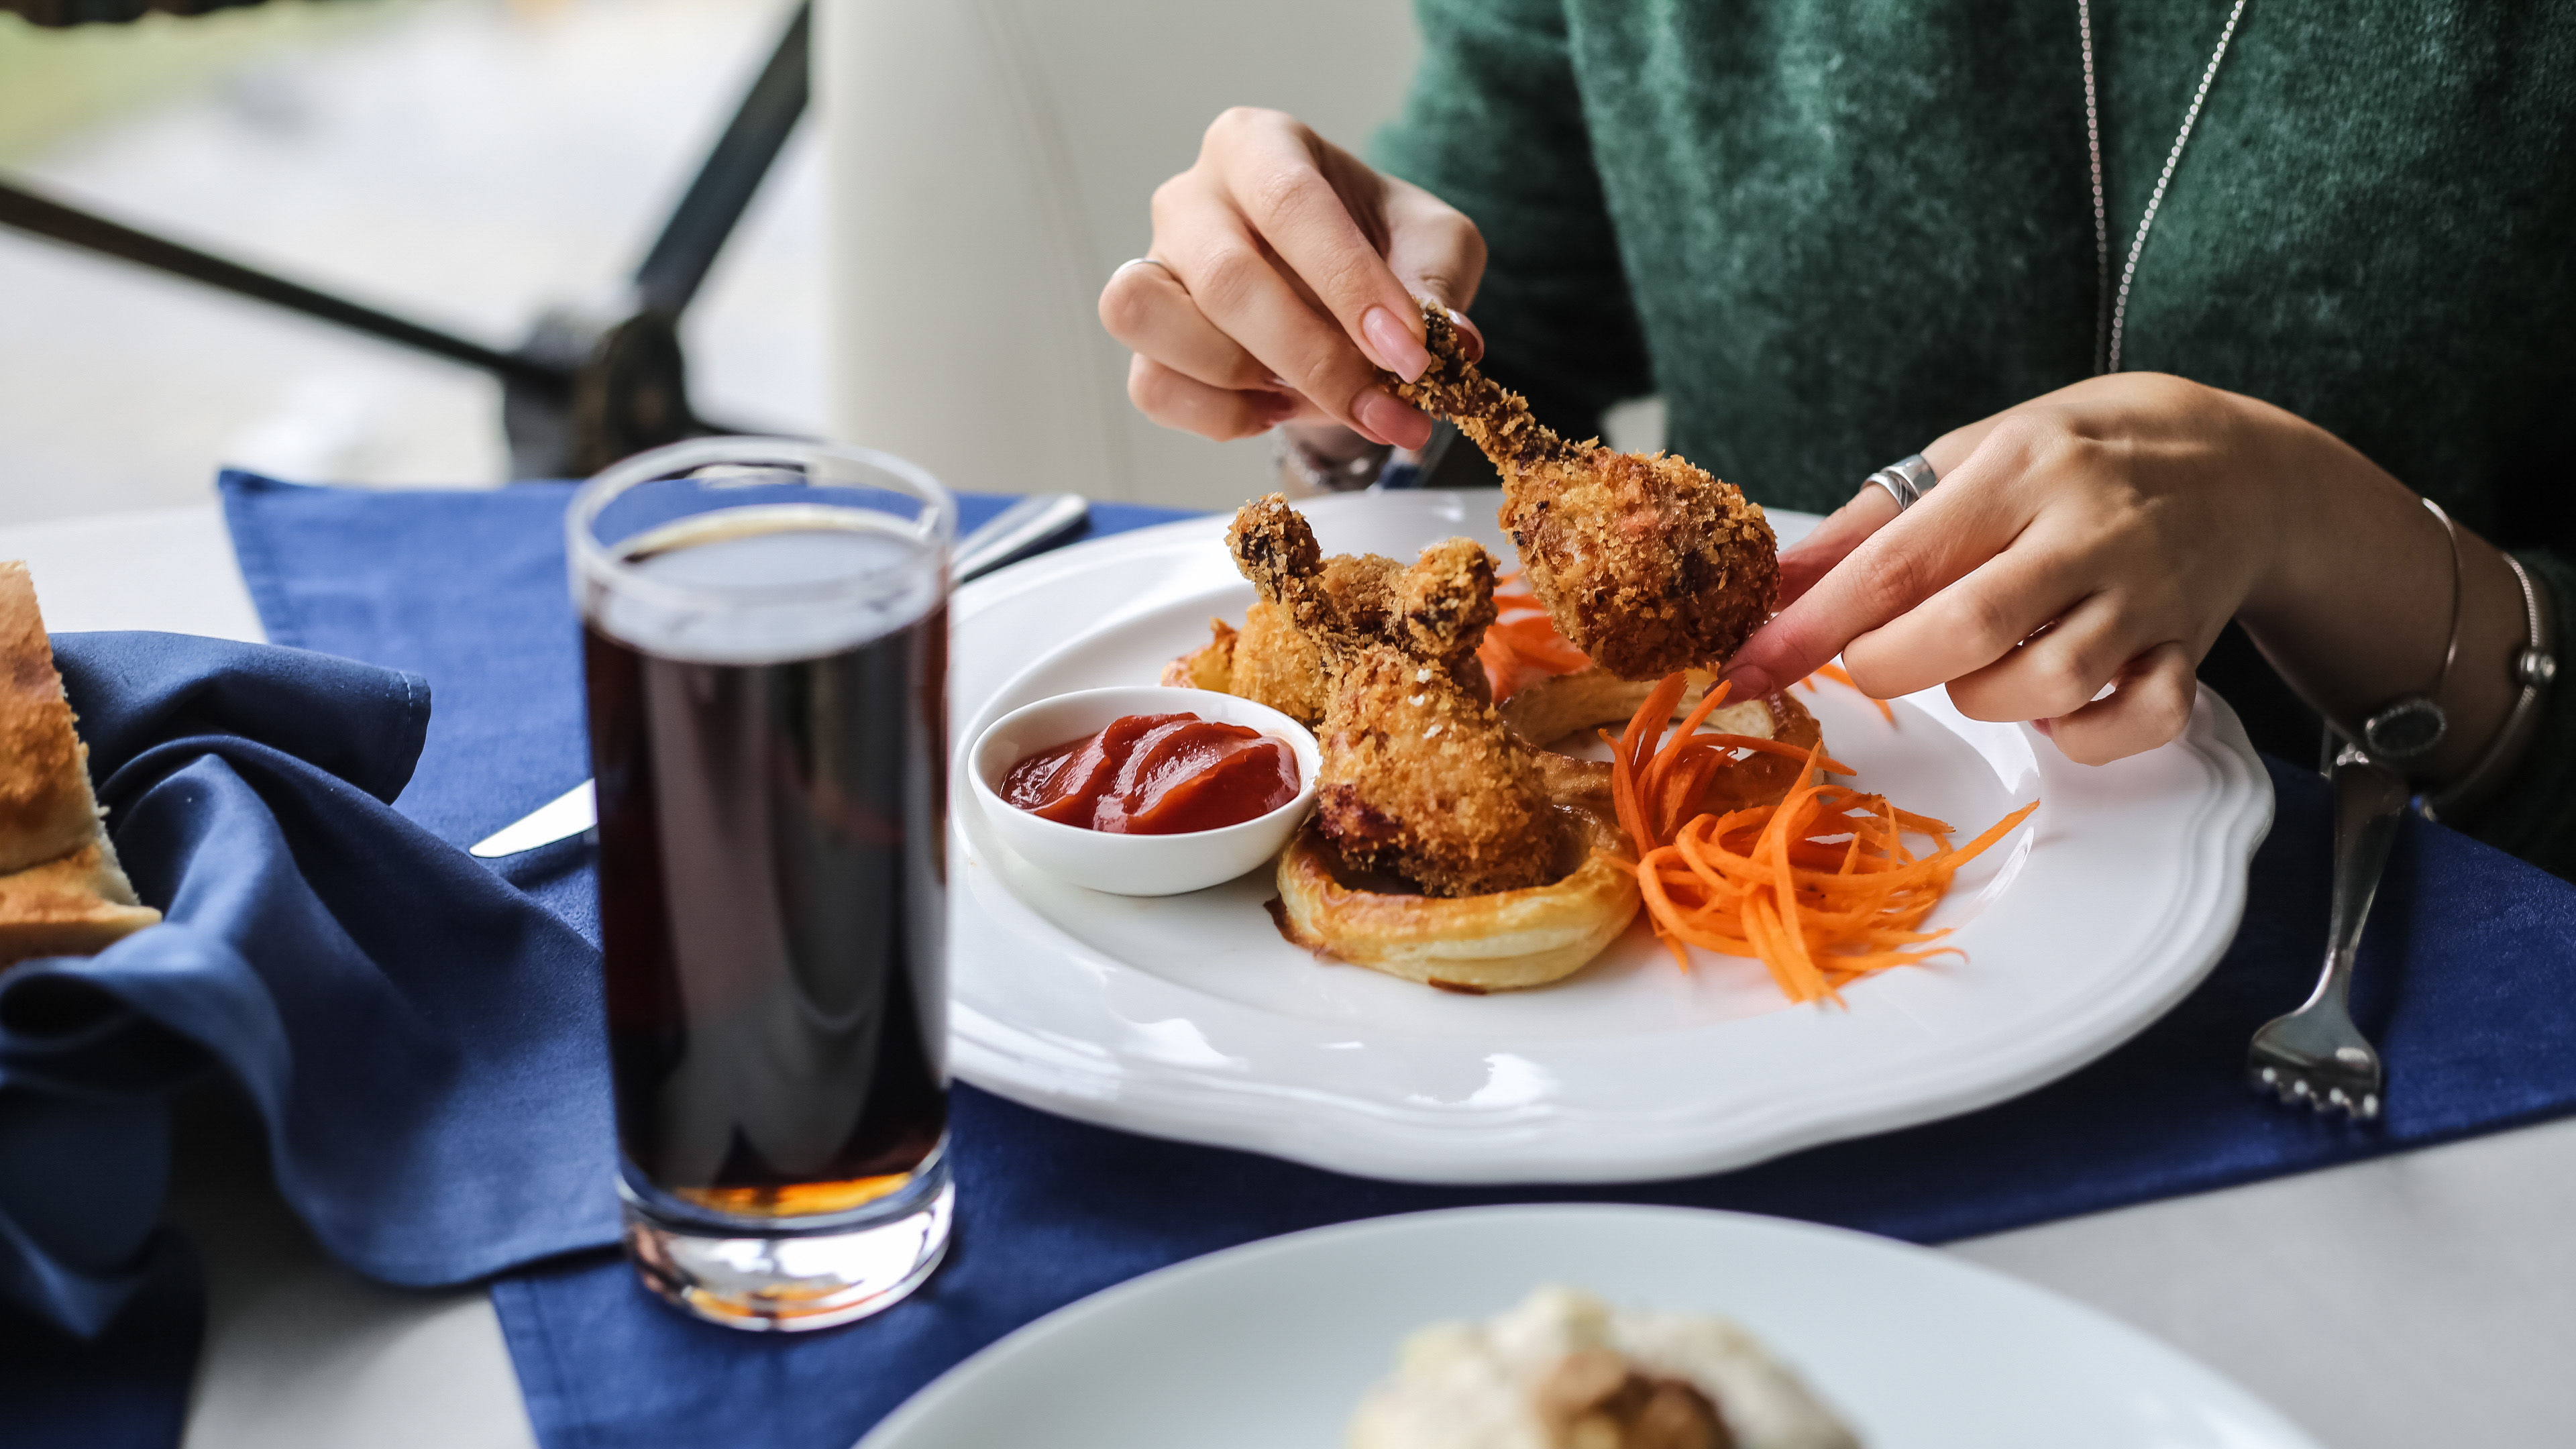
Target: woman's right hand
[[1292, 272]]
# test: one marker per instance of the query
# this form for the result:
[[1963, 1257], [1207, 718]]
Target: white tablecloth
[[2427, 1299]]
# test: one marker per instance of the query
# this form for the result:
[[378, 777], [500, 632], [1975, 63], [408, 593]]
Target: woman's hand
[[1293, 269], [2100, 538]]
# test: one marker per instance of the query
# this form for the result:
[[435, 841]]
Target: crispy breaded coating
[[1420, 778], [1210, 666], [1274, 665], [1646, 563], [1271, 660]]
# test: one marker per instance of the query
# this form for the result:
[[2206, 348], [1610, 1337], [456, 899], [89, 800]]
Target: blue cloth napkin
[[126, 1388], [417, 1037], [410, 1029], [2468, 979]]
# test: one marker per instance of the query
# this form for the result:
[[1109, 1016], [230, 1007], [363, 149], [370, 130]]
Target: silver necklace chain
[[2112, 311]]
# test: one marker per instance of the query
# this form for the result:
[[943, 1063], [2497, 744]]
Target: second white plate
[[1270, 1345], [1189, 1017]]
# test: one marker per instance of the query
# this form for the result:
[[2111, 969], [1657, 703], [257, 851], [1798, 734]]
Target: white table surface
[[2418, 1300]]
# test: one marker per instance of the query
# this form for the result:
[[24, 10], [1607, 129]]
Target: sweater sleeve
[[2534, 814], [1494, 126]]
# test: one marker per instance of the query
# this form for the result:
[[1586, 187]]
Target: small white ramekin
[[1135, 865]]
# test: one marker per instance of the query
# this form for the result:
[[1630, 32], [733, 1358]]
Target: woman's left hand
[[2100, 536]]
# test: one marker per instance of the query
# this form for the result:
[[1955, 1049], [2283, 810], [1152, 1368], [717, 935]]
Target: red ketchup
[[1156, 774]]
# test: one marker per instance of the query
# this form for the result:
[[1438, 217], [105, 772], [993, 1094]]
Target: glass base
[[783, 1276]]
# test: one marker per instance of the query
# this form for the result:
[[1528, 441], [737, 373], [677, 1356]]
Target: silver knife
[[569, 813], [1018, 531], [1007, 537]]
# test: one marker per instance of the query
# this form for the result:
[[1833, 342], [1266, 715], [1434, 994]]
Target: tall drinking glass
[[765, 640]]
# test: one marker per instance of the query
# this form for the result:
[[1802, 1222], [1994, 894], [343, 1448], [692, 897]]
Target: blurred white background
[[466, 162]]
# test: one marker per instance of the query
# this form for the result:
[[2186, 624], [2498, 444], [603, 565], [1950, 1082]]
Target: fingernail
[[1281, 383], [1748, 682], [2047, 727], [1467, 329], [1397, 351], [1392, 420]]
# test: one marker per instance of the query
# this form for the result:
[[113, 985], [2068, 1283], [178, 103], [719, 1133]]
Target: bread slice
[[46, 809], [68, 907], [61, 889]]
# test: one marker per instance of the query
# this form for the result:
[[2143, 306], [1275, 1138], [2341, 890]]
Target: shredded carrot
[[1522, 644], [1775, 747], [1819, 885], [1841, 676]]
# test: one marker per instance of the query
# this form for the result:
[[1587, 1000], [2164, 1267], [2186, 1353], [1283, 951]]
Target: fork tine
[[2359, 1102], [2315, 1056]]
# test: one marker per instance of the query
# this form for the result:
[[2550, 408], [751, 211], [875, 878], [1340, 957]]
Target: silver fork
[[2315, 1055]]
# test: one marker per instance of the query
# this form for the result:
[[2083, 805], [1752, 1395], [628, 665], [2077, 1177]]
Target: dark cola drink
[[767, 691], [770, 903]]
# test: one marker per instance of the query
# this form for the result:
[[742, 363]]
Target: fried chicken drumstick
[[1420, 777], [1269, 660], [1647, 564], [1276, 663]]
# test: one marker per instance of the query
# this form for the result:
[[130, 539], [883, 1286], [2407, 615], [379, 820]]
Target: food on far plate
[[62, 892], [1563, 1370], [1156, 774], [1646, 563]]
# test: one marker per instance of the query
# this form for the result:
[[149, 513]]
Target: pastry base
[[1505, 941]]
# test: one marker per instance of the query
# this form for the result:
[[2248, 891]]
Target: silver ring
[[1906, 480], [1150, 262]]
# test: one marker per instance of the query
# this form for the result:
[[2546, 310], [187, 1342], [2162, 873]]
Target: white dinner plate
[[1270, 1345], [1188, 1016]]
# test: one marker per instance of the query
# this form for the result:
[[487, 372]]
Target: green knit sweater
[[1828, 231]]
